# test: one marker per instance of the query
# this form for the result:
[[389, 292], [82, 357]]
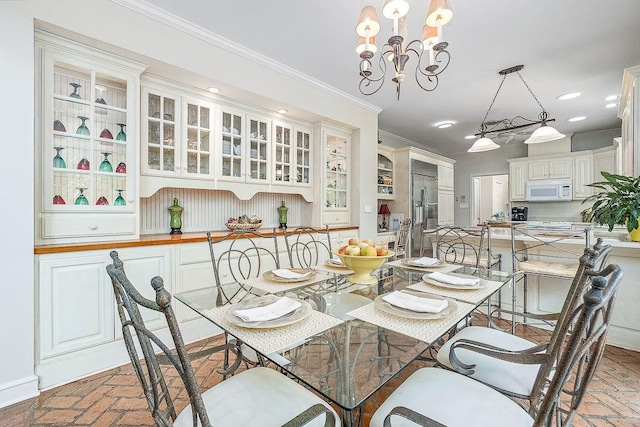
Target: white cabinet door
[[76, 304], [336, 177], [560, 168], [445, 176], [160, 128], [583, 175], [605, 160], [517, 180], [537, 170], [446, 203]]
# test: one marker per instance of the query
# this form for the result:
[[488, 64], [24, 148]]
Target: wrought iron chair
[[438, 397], [506, 362], [467, 246], [400, 246], [307, 246], [526, 244], [238, 256], [268, 397]]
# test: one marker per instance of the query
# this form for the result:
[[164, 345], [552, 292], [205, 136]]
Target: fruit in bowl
[[363, 259]]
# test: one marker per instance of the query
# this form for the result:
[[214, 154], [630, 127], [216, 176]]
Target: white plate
[[408, 261], [384, 306], [270, 276], [481, 283], [288, 319], [335, 264]]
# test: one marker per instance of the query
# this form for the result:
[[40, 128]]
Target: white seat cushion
[[508, 376], [548, 268], [453, 400], [256, 397]]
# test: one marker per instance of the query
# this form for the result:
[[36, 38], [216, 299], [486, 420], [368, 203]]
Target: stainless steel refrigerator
[[424, 204]]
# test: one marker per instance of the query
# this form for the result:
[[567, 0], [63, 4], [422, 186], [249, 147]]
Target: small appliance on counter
[[519, 213]]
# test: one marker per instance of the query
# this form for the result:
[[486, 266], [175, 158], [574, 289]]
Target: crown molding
[[181, 24]]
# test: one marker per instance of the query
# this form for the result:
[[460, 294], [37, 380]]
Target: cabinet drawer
[[87, 225], [335, 218]]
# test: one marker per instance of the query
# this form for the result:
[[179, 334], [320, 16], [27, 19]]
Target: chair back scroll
[[573, 360], [402, 239], [465, 245], [307, 246], [143, 357]]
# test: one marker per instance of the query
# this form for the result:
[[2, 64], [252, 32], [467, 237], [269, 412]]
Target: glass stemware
[[83, 164], [119, 201], [81, 200], [121, 168], [75, 93], [121, 136], [58, 161], [59, 126], [83, 129], [100, 99], [105, 166], [106, 134], [58, 200], [102, 201]]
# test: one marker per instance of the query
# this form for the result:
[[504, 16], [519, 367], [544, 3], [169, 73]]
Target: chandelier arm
[[448, 60], [433, 78], [377, 81], [510, 127]]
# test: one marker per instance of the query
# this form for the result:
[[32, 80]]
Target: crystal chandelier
[[544, 133], [431, 46]]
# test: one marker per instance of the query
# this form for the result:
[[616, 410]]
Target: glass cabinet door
[[85, 138], [336, 173], [231, 145], [303, 157], [160, 123], [283, 153], [258, 150], [198, 139]]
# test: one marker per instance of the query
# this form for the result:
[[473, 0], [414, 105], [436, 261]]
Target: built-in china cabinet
[[336, 165]]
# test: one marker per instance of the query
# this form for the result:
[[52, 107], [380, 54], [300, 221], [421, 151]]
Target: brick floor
[[114, 398]]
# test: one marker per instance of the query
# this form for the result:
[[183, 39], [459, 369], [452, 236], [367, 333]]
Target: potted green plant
[[617, 203]]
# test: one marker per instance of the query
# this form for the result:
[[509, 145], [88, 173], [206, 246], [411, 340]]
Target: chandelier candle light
[[430, 45], [544, 133]]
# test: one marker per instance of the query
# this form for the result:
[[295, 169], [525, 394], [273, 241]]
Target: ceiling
[[565, 46]]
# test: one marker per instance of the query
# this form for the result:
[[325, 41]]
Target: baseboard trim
[[18, 390]]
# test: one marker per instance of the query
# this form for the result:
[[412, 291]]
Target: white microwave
[[549, 191]]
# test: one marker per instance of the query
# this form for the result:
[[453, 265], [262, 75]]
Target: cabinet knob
[[93, 227]]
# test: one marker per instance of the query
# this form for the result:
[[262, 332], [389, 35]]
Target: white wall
[[144, 34], [17, 380]]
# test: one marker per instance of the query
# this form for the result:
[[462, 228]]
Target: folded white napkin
[[285, 273], [454, 280], [414, 303], [272, 311], [424, 261], [336, 261]]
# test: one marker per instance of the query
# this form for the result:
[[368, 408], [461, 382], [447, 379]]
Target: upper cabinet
[[630, 115], [385, 176], [87, 137], [337, 163], [557, 168], [517, 180], [445, 176]]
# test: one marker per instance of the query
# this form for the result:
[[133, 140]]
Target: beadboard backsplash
[[208, 210]]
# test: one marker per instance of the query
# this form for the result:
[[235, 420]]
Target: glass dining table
[[346, 342]]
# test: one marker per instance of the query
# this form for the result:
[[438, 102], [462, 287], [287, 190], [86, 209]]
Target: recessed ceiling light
[[611, 98], [283, 111], [470, 137], [569, 95], [214, 89], [444, 125], [611, 105], [576, 119]]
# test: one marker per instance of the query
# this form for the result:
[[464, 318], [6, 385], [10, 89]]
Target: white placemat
[[428, 330], [444, 268], [274, 287], [268, 341], [471, 295]]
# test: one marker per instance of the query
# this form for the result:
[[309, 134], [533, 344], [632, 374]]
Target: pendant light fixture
[[545, 133]]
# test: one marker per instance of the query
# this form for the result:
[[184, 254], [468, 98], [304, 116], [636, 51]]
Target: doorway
[[490, 196]]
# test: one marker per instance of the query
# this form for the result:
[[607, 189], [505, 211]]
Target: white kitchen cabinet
[[292, 154], [259, 150], [630, 115], [582, 175], [606, 159], [446, 204], [336, 177], [86, 132], [385, 177], [517, 180], [445, 176], [557, 168]]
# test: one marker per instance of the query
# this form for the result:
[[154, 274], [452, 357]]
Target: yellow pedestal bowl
[[363, 266]]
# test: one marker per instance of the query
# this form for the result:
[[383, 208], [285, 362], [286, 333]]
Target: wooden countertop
[[151, 240]]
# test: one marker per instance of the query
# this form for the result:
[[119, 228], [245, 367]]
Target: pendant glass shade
[[362, 45], [395, 8], [544, 134], [483, 144], [438, 9], [368, 20]]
